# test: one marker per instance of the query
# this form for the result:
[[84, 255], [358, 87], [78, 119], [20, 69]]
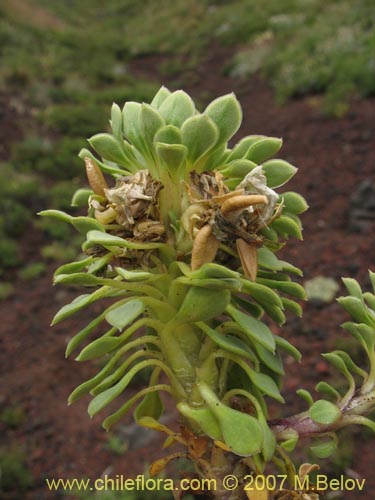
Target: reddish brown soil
[[333, 155]]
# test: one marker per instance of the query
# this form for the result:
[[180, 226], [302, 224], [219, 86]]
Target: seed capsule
[[238, 203], [204, 248], [95, 177], [249, 258]]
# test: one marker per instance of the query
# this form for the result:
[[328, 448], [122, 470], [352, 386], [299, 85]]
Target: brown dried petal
[[249, 258], [239, 203], [205, 247], [95, 177]]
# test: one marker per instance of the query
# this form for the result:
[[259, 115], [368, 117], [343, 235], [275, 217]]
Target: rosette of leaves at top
[[181, 235]]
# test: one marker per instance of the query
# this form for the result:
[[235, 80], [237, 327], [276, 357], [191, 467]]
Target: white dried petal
[[255, 182]]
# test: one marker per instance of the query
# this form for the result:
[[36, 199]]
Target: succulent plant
[[181, 236]]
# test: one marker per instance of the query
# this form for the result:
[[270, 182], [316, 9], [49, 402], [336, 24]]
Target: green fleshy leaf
[[169, 134], [109, 148], [202, 417], [233, 183], [250, 307], [357, 309], [150, 122], [160, 97], [199, 134], [109, 169], [116, 121], [173, 155], [125, 314], [324, 450], [77, 304], [353, 287], [294, 202], [287, 227], [83, 279], [241, 432], [227, 342], [105, 239], [79, 337], [238, 168], [266, 385], [263, 149], [241, 149], [269, 440], [150, 406], [306, 396], [134, 275], [99, 402], [215, 271], [292, 306], [288, 287], [324, 412], [81, 224], [203, 304], [369, 298], [81, 197], [226, 113], [255, 329], [289, 268], [363, 333], [177, 108], [131, 115], [264, 295], [273, 361], [372, 279], [267, 259], [278, 172], [288, 347], [290, 444], [98, 348], [325, 388], [73, 267], [223, 284]]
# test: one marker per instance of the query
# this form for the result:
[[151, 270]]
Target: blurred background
[[302, 69]]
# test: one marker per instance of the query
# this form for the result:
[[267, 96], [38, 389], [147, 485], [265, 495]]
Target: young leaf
[[226, 113], [287, 226], [242, 147], [294, 202], [150, 122], [160, 97], [169, 134], [199, 134], [278, 172], [81, 197], [263, 149], [173, 155], [238, 168], [177, 108], [109, 148], [116, 121]]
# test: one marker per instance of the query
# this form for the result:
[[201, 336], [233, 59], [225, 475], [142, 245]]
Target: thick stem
[[304, 426]]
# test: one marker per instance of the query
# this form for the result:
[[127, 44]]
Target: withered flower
[[231, 217]]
